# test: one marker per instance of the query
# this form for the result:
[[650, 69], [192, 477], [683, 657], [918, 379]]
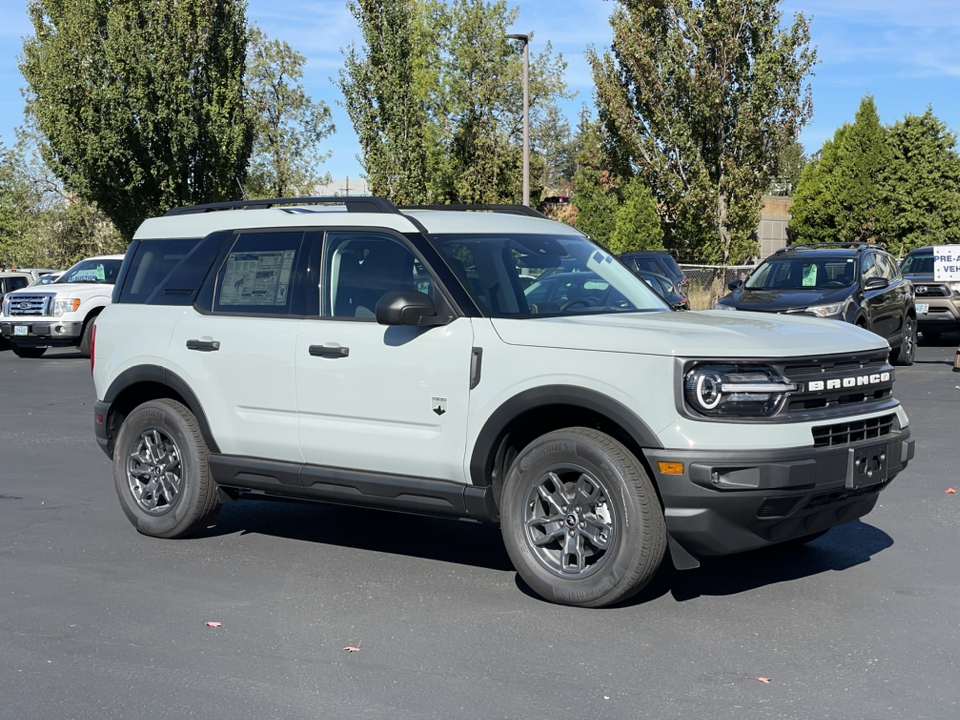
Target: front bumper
[[942, 315], [731, 501], [42, 333]]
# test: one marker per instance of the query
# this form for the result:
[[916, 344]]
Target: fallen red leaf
[[951, 491], [214, 624], [761, 679]]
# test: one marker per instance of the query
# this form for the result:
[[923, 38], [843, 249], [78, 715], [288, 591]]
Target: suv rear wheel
[[161, 472], [581, 520]]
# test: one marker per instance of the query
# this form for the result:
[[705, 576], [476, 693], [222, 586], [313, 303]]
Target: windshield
[[520, 275], [918, 264], [92, 271], [796, 273]]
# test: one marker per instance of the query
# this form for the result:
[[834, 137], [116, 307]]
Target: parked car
[[664, 287], [10, 281], [37, 273], [391, 358], [46, 279], [938, 303], [859, 284], [660, 262], [60, 314]]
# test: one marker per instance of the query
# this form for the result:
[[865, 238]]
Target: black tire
[[581, 520], [907, 351], [23, 351], [930, 335], [86, 338], [161, 472]]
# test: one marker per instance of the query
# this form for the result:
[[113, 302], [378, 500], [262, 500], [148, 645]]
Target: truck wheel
[[86, 338], [908, 345], [161, 472], [581, 520], [27, 352]]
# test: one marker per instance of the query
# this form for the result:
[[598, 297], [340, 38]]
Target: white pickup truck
[[62, 313]]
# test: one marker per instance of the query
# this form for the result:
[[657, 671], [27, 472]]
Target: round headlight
[[708, 393]]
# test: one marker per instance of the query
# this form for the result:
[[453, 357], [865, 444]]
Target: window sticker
[[257, 278], [810, 276]]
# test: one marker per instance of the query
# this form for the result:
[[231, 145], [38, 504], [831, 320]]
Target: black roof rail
[[352, 204], [844, 245], [483, 207]]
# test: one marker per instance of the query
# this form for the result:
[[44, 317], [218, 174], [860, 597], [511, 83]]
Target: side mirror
[[876, 283], [409, 307], [734, 284]]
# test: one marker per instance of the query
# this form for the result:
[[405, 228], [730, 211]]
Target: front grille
[[844, 433], [29, 305], [838, 381], [922, 291]]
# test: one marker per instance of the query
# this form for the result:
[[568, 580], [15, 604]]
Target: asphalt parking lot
[[98, 622]]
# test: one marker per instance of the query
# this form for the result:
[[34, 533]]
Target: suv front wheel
[[581, 520], [161, 471]]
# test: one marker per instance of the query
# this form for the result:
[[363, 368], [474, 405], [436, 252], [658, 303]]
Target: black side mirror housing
[[734, 284], [876, 283], [409, 307]]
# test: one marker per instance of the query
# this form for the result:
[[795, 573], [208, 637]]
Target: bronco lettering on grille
[[848, 382]]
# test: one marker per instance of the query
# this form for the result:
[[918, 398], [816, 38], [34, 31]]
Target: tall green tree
[[595, 194], [921, 184], [140, 102], [839, 197], [702, 97], [288, 125], [385, 102], [435, 95], [638, 223], [41, 225]]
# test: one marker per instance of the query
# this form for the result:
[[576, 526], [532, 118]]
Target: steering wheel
[[575, 301]]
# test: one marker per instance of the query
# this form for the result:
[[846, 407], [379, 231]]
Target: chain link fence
[[708, 283]]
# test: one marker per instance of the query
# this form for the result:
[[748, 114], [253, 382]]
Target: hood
[[721, 334], [760, 300], [67, 289]]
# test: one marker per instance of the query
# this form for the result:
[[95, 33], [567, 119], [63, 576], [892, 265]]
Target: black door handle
[[330, 351], [203, 345]]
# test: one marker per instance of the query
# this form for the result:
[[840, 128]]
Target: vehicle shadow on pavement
[[455, 541], [843, 547]]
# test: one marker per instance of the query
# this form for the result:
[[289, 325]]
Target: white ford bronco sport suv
[[62, 313], [362, 354]]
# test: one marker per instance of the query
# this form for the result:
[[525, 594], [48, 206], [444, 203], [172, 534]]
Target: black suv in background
[[660, 262], [858, 284], [938, 303]]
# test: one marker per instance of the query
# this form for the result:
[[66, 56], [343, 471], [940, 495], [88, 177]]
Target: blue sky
[[906, 54]]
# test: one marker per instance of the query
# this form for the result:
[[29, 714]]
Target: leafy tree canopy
[[140, 102], [701, 97], [435, 95], [288, 127]]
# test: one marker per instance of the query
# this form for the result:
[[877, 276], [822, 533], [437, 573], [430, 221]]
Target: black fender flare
[[162, 376], [553, 395]]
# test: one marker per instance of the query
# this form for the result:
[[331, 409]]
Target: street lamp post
[[526, 115]]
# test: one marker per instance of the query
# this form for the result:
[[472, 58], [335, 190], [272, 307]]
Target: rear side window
[[169, 272], [257, 276]]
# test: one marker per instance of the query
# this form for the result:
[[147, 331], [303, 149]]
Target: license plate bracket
[[20, 329], [867, 466]]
